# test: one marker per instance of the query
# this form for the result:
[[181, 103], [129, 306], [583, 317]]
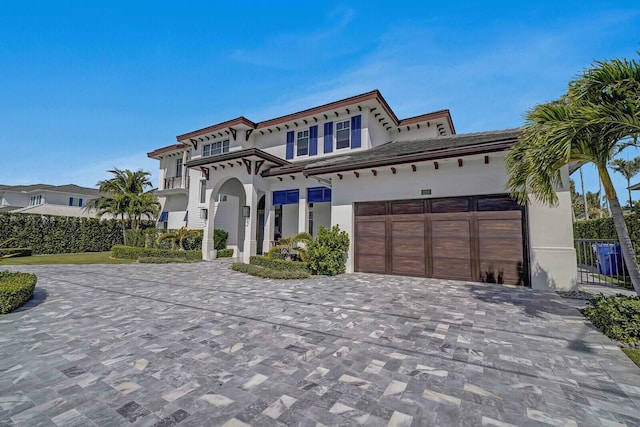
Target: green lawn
[[83, 258], [634, 354]]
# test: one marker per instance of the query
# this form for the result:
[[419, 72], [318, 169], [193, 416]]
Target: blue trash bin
[[609, 259]]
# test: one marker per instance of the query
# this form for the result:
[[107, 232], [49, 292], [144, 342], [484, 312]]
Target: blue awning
[[286, 197], [164, 217], [318, 195], [186, 216]]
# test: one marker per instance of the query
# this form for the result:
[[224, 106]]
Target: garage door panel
[[500, 246], [410, 266], [371, 263], [451, 249], [508, 270]]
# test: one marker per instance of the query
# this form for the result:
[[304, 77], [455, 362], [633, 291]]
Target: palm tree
[[178, 236], [124, 197], [628, 169], [597, 117], [143, 205], [290, 246]]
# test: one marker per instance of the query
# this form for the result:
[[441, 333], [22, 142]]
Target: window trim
[[208, 150], [203, 191], [297, 142], [348, 130]]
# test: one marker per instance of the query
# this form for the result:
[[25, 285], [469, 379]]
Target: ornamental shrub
[[279, 264], [618, 317], [132, 252], [15, 289], [163, 260], [220, 238], [328, 251], [225, 253], [267, 273]]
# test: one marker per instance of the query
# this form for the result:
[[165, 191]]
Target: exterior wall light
[[246, 211]]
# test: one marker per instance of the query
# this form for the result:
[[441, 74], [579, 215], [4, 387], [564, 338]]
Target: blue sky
[[86, 86]]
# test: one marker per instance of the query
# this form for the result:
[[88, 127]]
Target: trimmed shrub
[[225, 253], [603, 228], [132, 252], [328, 251], [279, 264], [162, 260], [618, 317], [49, 234], [220, 238], [14, 252], [15, 289], [267, 273]]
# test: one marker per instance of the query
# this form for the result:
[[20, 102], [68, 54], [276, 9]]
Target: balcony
[[175, 183]]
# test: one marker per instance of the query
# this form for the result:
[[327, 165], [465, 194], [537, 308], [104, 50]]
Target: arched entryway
[[225, 208]]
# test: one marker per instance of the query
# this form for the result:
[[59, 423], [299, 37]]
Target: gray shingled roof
[[67, 188], [395, 150]]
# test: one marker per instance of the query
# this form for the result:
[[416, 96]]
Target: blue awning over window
[[318, 195], [186, 216], [164, 217], [286, 197]]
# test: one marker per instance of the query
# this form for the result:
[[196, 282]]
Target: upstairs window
[[302, 143], [343, 134], [215, 148], [203, 191], [178, 168]]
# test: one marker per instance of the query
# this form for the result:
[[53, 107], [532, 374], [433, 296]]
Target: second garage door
[[468, 238]]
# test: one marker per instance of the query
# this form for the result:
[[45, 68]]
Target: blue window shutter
[[318, 195], [70, 201], [279, 198], [313, 140], [164, 217], [327, 195], [80, 203], [290, 145], [328, 137], [355, 131]]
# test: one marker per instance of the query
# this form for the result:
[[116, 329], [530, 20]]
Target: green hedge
[[48, 234], [15, 289], [603, 228], [225, 253], [618, 317], [147, 238], [163, 260], [14, 252], [220, 238], [279, 264], [267, 273], [132, 252]]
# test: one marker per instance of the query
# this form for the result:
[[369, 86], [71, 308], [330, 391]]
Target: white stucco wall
[[553, 263], [321, 216]]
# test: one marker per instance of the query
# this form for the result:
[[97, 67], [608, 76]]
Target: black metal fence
[[600, 261]]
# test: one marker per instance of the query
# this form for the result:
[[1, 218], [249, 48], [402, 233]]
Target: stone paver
[[199, 344]]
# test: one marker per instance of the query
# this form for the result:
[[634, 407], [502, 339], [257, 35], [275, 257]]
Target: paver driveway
[[198, 344]]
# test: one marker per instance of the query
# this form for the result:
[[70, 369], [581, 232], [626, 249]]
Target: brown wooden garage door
[[467, 238]]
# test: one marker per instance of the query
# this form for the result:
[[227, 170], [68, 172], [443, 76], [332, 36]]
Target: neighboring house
[[415, 198], [64, 200]]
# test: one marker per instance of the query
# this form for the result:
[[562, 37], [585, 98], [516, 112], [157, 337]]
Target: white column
[[269, 221], [303, 212], [208, 246], [250, 242], [552, 255], [161, 173]]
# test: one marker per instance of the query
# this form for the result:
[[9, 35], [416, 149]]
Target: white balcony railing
[[176, 182]]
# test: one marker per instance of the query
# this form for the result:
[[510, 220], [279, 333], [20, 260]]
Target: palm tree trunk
[[629, 185], [626, 246]]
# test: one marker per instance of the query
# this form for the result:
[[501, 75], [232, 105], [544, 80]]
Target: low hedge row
[[163, 260], [15, 289], [132, 252], [13, 252], [268, 273], [225, 253], [618, 317], [279, 264]]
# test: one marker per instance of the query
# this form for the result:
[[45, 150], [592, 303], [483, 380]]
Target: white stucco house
[[45, 199], [415, 197]]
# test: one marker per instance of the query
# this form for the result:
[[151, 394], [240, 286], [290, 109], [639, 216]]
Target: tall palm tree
[[597, 117], [124, 197], [628, 169]]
